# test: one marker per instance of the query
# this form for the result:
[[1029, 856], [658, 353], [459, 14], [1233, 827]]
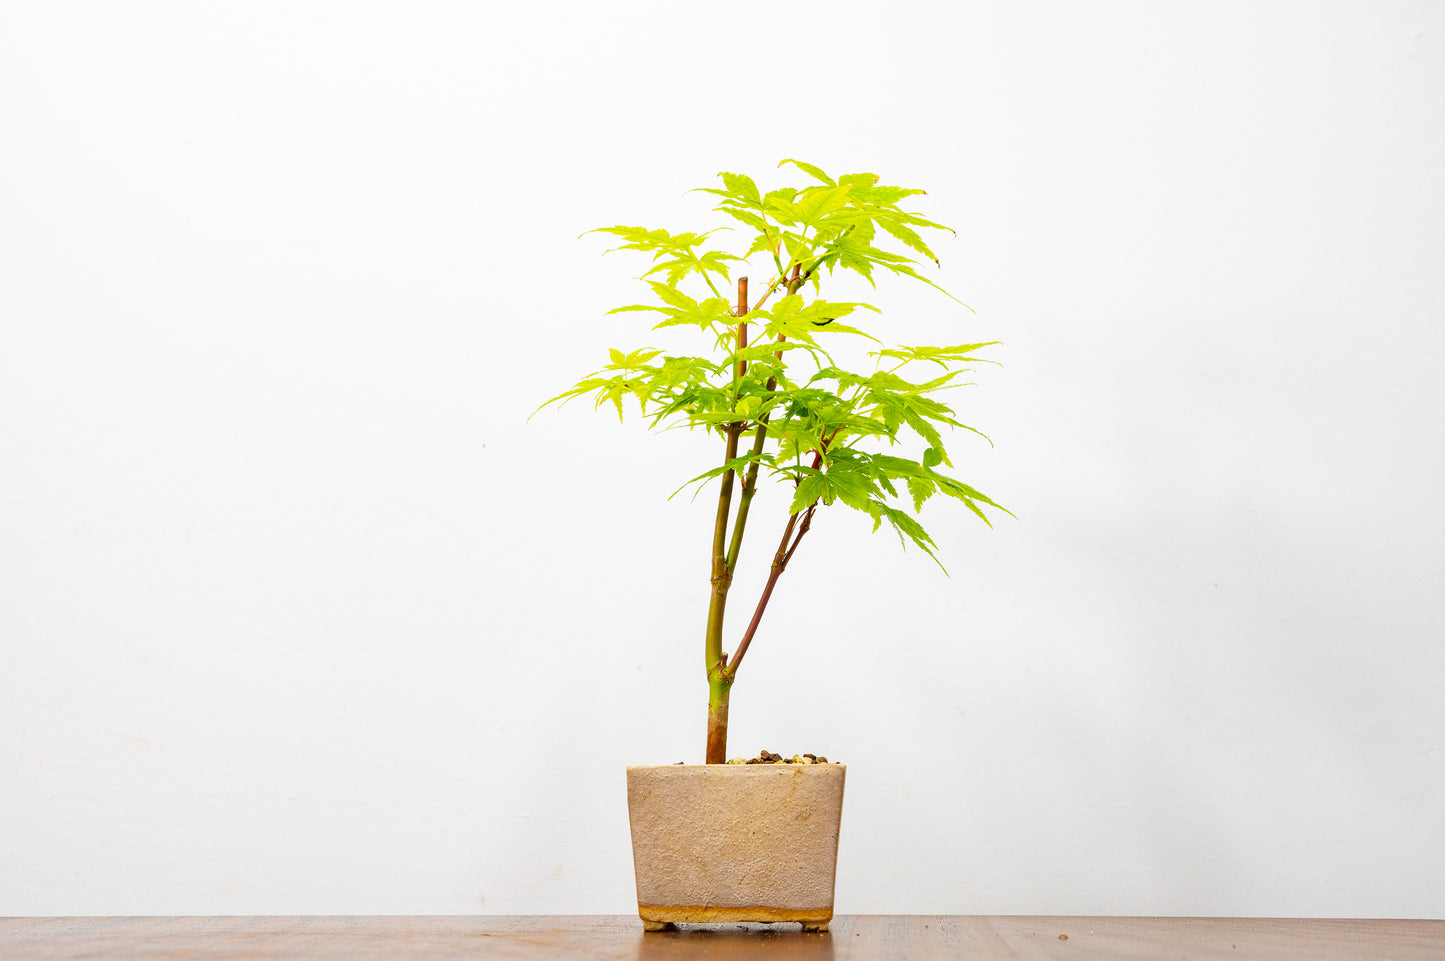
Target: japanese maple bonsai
[[765, 379]]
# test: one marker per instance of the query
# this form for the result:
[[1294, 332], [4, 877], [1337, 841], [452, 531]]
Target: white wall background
[[298, 615]]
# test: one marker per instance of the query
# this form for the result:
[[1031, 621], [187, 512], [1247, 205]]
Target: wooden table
[[863, 937]]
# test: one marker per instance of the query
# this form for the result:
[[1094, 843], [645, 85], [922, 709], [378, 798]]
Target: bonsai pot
[[735, 842]]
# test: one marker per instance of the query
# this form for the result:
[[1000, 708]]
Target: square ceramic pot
[[735, 842]]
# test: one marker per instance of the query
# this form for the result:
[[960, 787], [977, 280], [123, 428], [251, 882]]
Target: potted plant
[[758, 841]]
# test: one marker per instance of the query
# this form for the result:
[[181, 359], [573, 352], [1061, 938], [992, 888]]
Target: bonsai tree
[[765, 379]]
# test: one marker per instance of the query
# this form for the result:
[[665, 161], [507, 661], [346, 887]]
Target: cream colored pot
[[735, 842]]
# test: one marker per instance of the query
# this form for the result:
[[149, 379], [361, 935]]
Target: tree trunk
[[719, 689]]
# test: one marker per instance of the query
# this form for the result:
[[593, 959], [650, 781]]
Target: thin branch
[[750, 479], [807, 525], [722, 575], [769, 292], [780, 561], [750, 486], [724, 501], [724, 507], [742, 311]]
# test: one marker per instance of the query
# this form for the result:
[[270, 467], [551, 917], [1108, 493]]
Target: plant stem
[[721, 673], [719, 688], [781, 558], [719, 678], [750, 479], [792, 284], [760, 436], [785, 551], [750, 487], [780, 564], [742, 311], [721, 576]]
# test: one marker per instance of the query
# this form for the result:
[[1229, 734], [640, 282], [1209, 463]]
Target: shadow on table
[[734, 941]]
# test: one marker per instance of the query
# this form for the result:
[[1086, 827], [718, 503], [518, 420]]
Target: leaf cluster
[[770, 377]]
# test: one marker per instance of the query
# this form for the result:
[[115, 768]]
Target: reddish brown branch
[[786, 547], [742, 311]]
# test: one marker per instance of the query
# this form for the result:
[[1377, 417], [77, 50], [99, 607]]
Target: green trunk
[[719, 689]]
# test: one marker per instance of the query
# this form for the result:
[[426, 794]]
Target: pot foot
[[658, 925], [819, 928]]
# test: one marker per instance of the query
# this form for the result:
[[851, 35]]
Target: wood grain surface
[[853, 938]]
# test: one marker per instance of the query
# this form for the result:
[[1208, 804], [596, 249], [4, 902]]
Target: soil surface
[[768, 757]]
